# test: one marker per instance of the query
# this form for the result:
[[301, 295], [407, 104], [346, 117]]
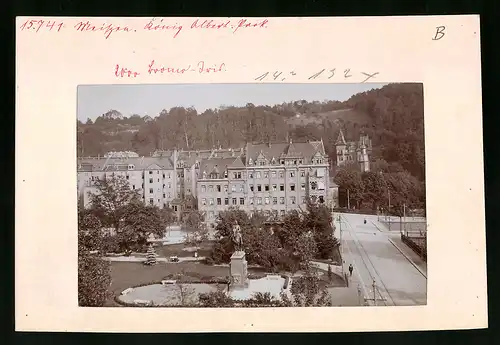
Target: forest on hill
[[393, 116]]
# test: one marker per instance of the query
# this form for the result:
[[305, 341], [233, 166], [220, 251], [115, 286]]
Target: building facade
[[352, 152], [271, 178], [155, 179]]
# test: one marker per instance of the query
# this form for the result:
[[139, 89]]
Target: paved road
[[373, 256]]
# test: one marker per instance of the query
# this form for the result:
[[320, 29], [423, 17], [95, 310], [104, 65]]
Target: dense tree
[[405, 189], [307, 291], [168, 216], [350, 180], [375, 188], [93, 272], [193, 220], [111, 199], [197, 237], [138, 223], [260, 245], [216, 299], [118, 206], [287, 246], [90, 237], [318, 220]]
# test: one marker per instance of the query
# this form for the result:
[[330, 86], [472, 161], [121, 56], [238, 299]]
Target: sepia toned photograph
[[251, 195]]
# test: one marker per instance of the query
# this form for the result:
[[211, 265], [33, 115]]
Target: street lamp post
[[374, 293], [348, 200], [389, 207], [341, 246]]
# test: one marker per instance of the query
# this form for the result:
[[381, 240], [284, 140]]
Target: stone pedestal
[[238, 270]]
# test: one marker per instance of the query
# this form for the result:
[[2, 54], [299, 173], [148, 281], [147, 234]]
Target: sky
[[151, 99]]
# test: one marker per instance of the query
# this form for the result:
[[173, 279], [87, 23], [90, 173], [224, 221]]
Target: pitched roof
[[276, 150], [291, 151], [114, 164], [237, 163], [218, 165], [341, 139]]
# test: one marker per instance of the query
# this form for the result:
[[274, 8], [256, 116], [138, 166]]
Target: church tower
[[341, 146], [364, 161]]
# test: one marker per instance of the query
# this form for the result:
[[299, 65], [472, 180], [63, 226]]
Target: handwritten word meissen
[[152, 25], [153, 68]]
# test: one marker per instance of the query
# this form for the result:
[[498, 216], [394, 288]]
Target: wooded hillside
[[392, 116]]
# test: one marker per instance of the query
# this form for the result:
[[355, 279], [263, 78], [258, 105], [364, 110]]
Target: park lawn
[[177, 250], [128, 274]]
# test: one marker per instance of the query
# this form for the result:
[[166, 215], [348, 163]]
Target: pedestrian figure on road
[[350, 270]]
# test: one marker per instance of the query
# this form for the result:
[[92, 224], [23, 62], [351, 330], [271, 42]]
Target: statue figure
[[237, 238]]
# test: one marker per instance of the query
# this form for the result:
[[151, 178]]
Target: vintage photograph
[[251, 195]]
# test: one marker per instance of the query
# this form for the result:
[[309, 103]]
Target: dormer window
[[250, 161], [130, 167], [204, 174]]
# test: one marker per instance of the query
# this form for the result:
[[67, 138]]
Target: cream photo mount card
[[249, 174]]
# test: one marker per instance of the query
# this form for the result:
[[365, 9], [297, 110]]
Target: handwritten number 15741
[[36, 25]]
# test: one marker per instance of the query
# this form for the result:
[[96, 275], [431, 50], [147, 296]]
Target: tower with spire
[[364, 162], [341, 148], [356, 152]]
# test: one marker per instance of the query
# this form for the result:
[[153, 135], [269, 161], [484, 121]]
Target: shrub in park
[[151, 256]]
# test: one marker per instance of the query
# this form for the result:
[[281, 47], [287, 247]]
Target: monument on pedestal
[[238, 266]]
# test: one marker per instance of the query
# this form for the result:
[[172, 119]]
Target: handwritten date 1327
[[326, 73]]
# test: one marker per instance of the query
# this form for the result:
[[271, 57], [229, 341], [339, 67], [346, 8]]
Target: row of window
[[262, 174], [346, 158], [150, 180], [274, 174], [274, 213], [258, 201], [262, 162], [260, 188], [151, 202]]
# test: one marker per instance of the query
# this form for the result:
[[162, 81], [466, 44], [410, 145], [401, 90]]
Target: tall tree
[[375, 188], [139, 222], [93, 272], [349, 180], [111, 198], [318, 219]]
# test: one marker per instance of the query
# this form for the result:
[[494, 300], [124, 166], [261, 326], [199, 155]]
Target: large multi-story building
[[155, 178], [273, 178], [164, 178]]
